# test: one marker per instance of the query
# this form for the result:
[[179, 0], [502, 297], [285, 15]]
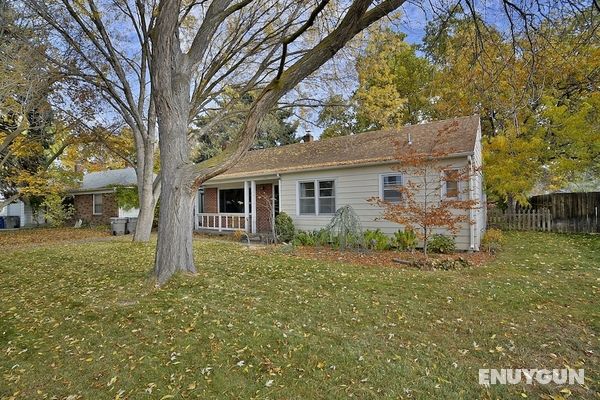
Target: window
[[307, 198], [97, 204], [451, 184], [200, 201], [390, 188], [231, 200], [276, 199], [326, 197], [316, 197]]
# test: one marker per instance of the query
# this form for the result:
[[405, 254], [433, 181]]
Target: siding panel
[[353, 187]]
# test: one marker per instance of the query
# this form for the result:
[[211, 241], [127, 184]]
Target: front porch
[[250, 206]]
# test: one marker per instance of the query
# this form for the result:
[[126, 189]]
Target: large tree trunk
[[171, 88], [174, 252]]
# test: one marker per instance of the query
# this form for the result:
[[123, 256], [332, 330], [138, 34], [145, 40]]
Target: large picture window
[[231, 200], [390, 188], [97, 204], [316, 197]]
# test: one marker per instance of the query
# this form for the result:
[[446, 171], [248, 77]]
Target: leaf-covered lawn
[[12, 239], [81, 321]]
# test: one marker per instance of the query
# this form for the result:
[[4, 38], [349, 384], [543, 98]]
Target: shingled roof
[[452, 137], [104, 180]]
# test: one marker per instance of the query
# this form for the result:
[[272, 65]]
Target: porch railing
[[222, 221]]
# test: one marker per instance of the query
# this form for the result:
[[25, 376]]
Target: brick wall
[[210, 200], [84, 209], [264, 210]]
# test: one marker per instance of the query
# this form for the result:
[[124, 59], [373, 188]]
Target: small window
[[97, 204], [326, 197], [451, 184], [390, 188], [200, 201], [307, 197]]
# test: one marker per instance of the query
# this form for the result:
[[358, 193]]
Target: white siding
[[25, 213], [131, 213], [353, 186]]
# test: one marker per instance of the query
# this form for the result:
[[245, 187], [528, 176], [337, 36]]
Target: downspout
[[471, 210]]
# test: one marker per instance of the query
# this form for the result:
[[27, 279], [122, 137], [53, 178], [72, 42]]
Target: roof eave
[[271, 173]]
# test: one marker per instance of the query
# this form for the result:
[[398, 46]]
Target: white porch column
[[253, 187], [246, 205]]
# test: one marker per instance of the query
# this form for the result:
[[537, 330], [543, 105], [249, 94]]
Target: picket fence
[[521, 219]]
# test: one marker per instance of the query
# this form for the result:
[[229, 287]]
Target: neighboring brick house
[[95, 201], [311, 180]]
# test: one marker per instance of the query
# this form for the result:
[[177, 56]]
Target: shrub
[[304, 238], [323, 237], [376, 240], [345, 229], [405, 240], [441, 244], [127, 197], [57, 213], [492, 240], [284, 227]]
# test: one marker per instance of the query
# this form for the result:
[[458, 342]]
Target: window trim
[[94, 203], [381, 179], [317, 189], [219, 190]]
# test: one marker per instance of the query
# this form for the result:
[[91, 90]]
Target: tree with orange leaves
[[435, 194]]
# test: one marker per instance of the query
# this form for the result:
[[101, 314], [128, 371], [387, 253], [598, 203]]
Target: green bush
[[441, 244], [304, 238], [492, 240], [127, 197], [345, 229], [57, 211], [324, 238], [376, 240], [405, 240], [284, 227]]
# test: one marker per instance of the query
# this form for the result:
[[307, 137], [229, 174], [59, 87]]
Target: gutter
[[111, 189]]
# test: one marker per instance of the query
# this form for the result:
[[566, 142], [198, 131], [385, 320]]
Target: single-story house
[[311, 180], [95, 200]]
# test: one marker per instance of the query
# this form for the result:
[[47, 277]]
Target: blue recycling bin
[[2, 226]]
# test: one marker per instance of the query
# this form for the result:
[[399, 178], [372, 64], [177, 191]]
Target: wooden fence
[[571, 212], [556, 212], [521, 220]]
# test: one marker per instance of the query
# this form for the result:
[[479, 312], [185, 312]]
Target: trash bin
[[12, 222], [2, 226], [117, 226], [131, 224]]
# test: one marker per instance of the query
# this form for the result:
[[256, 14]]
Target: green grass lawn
[[80, 320]]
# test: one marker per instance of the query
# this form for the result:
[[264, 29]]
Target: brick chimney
[[308, 137]]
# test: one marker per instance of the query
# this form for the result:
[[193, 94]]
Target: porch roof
[[455, 137]]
